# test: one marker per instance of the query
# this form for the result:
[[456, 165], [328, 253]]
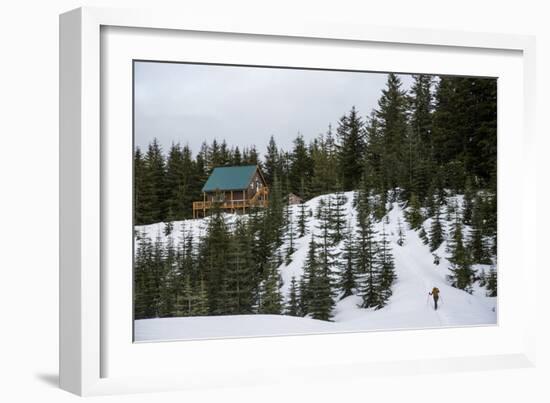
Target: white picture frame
[[88, 320]]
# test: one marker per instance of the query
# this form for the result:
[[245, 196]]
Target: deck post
[[204, 204]]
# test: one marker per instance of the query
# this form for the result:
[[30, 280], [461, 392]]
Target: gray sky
[[190, 103]]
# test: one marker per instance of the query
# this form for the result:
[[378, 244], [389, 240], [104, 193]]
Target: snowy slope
[[409, 306]]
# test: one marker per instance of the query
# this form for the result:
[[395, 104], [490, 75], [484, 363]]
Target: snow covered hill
[[409, 306]]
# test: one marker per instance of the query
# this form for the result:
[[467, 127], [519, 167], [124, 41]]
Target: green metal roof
[[229, 178]]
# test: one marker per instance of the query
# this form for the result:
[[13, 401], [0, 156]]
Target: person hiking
[[435, 294]]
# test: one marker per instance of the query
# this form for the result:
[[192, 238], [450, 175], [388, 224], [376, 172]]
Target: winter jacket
[[435, 292]]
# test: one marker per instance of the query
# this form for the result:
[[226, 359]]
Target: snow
[[410, 306]]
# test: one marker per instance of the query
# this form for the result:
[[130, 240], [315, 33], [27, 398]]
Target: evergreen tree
[[348, 277], [420, 152], [350, 146], [289, 235], [323, 154], [365, 257], [272, 163], [492, 283], [239, 282], [215, 254], [478, 243], [293, 307], [301, 165], [392, 123], [141, 209], [271, 300], [461, 272], [321, 285], [414, 213], [436, 230], [385, 268], [338, 216], [154, 187], [310, 268], [303, 218]]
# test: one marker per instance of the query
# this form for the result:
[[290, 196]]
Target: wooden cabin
[[234, 189], [294, 199]]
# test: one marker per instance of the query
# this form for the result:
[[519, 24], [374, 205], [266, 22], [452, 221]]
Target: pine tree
[[301, 166], [321, 285], [478, 243], [436, 230], [303, 218], [214, 255], [414, 213], [421, 150], [290, 235], [310, 268], [365, 257], [461, 272], [271, 300], [154, 187], [239, 282], [348, 277], [492, 283], [272, 163], [141, 209], [392, 123], [386, 270], [143, 279], [293, 308], [350, 149], [338, 216]]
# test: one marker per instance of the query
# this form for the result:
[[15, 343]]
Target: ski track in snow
[[409, 307]]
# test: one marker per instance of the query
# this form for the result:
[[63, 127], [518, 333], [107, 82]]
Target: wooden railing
[[233, 205], [230, 204]]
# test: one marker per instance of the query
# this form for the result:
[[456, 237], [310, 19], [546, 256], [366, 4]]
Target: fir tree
[[301, 165], [303, 218], [348, 280], [436, 230], [293, 307], [271, 300], [492, 283], [478, 243], [272, 163], [386, 270], [350, 146], [310, 268], [414, 213], [239, 282], [392, 124], [290, 235], [461, 272], [365, 257], [338, 216]]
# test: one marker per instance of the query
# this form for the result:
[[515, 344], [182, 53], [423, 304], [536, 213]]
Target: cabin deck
[[260, 199]]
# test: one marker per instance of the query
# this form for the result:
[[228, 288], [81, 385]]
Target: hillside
[[408, 307]]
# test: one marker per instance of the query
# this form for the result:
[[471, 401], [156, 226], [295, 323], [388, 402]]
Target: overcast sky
[[190, 103]]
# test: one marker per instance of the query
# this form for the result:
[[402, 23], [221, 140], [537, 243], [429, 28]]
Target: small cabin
[[234, 189], [294, 199]]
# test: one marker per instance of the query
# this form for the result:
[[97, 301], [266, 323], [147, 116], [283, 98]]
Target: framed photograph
[[241, 202]]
